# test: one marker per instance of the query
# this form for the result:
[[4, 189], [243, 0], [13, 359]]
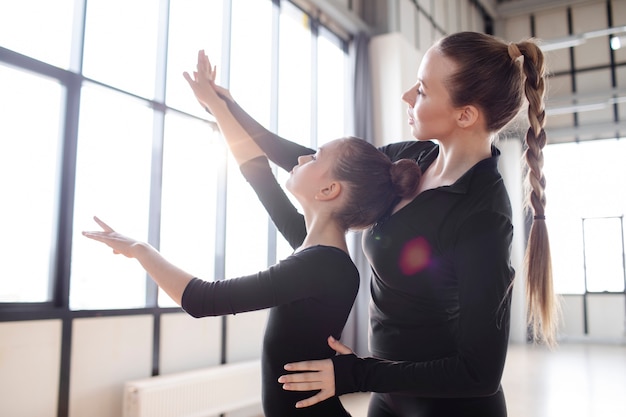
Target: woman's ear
[[467, 116], [330, 192]]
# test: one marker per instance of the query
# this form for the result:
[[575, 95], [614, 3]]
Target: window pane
[[294, 83], [41, 29], [250, 81], [113, 183], [584, 180], [331, 72], [192, 156], [29, 164], [251, 57], [604, 254], [246, 227], [294, 90], [193, 25], [121, 44]]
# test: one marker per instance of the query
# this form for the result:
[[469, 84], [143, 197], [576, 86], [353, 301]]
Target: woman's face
[[431, 115], [313, 172]]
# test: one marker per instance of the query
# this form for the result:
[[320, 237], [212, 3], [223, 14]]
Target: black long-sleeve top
[[441, 281], [310, 295]]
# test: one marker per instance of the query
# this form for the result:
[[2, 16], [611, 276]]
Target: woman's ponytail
[[541, 302]]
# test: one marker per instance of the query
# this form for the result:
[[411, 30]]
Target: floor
[[574, 380]]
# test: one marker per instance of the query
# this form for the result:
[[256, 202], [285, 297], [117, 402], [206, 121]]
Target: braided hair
[[496, 77]]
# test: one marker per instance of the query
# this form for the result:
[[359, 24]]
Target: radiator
[[197, 393]]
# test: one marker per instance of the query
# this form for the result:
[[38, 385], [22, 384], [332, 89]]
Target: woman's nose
[[408, 97]]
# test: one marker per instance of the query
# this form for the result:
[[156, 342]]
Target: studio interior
[[98, 120]]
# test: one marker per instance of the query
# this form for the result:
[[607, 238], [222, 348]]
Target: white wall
[[188, 343], [106, 352], [394, 63], [511, 169], [30, 354]]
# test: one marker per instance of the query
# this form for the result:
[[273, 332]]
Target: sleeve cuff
[[253, 166], [345, 367]]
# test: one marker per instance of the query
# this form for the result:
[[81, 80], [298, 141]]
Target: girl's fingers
[[102, 224]]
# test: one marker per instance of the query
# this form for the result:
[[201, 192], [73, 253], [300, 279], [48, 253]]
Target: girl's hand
[[118, 242], [203, 83], [317, 375]]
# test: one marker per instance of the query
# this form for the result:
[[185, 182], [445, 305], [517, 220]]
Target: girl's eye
[[314, 157], [420, 91]]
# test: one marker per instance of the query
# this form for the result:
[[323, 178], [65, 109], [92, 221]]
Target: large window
[[97, 120], [586, 202]]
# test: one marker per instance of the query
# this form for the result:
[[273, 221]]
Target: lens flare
[[414, 256]]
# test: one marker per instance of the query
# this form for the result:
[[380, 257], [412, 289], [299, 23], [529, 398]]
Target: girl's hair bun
[[405, 177]]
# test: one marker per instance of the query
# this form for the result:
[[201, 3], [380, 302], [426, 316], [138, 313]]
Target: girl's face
[[313, 172], [431, 115]]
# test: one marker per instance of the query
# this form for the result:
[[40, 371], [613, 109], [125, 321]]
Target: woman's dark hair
[[494, 76], [374, 183]]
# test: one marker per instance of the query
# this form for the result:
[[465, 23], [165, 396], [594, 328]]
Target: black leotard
[[309, 294]]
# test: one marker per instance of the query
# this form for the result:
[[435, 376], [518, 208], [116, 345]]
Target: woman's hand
[[119, 243], [316, 375], [203, 83]]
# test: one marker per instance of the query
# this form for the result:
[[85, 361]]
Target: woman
[[311, 292], [442, 278]]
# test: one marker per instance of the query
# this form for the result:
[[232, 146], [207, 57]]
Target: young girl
[[311, 292]]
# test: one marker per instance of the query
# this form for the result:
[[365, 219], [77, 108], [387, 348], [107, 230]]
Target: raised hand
[[203, 83]]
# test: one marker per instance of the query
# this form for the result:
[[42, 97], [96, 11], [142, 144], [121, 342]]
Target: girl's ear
[[467, 116], [330, 192]]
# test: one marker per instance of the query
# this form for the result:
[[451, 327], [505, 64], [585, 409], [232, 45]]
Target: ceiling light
[[617, 42]]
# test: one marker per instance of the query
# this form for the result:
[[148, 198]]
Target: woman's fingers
[[317, 365], [339, 347], [317, 398]]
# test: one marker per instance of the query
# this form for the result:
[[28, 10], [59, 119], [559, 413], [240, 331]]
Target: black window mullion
[[272, 236], [221, 191], [158, 132], [314, 27]]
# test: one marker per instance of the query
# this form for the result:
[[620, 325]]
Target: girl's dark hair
[[374, 183], [494, 76]]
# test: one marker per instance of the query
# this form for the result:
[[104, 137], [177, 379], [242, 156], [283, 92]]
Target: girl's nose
[[302, 159]]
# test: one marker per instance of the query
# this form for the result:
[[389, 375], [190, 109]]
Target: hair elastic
[[514, 51], [539, 217]]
